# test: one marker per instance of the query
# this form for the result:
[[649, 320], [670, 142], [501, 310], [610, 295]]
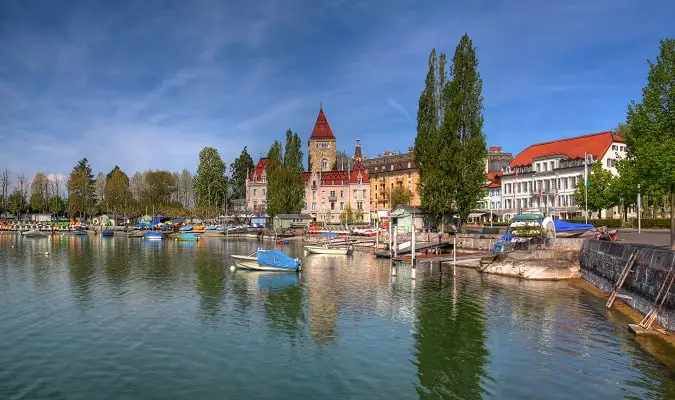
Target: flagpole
[[586, 185]]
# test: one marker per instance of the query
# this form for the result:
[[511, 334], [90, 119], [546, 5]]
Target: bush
[[653, 223], [490, 231]]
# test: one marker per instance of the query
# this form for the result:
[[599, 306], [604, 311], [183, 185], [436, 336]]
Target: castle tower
[[322, 145], [358, 156]]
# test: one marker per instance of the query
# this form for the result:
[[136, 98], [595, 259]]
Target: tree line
[[205, 194]]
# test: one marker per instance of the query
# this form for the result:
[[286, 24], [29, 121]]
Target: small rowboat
[[267, 260], [340, 251], [154, 235]]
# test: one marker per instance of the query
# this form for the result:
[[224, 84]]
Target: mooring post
[[395, 242], [412, 245], [454, 255]]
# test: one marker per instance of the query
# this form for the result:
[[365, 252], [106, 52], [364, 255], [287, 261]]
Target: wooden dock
[[418, 247]]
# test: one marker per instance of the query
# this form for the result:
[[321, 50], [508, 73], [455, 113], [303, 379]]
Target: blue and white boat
[[154, 235], [267, 260], [186, 228], [107, 233]]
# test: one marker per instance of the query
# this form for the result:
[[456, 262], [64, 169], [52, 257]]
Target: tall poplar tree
[[465, 116], [239, 170], [81, 199], [285, 186], [450, 147], [210, 182]]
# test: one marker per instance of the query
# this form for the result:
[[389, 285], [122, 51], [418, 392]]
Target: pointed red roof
[[322, 128], [596, 144]]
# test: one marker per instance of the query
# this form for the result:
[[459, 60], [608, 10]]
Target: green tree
[[347, 215], [39, 199], [210, 182], [117, 194], [651, 123], [450, 147], [80, 185], [464, 117], [240, 168], [285, 185], [5, 183], [601, 189], [157, 189], [400, 197], [17, 203]]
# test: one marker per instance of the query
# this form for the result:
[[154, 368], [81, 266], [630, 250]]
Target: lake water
[[120, 318]]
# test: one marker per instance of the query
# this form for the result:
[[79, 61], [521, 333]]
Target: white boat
[[33, 233], [277, 261], [327, 250]]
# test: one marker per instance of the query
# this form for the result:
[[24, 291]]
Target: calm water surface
[[116, 318]]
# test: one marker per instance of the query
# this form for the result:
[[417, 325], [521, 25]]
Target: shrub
[[490, 231]]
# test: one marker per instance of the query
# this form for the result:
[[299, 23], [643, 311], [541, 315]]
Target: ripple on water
[[122, 318]]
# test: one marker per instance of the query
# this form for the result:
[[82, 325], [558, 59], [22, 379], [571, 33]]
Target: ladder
[[659, 301], [627, 269]]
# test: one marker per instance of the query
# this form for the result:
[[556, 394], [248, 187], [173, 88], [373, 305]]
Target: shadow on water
[[81, 268], [284, 303], [450, 340]]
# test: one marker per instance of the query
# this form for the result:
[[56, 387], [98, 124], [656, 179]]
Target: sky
[[147, 84]]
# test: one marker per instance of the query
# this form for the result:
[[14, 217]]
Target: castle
[[328, 192]]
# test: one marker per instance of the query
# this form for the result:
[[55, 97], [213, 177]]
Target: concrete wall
[[602, 263], [485, 242]]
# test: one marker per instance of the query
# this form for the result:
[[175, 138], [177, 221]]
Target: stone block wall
[[602, 263]]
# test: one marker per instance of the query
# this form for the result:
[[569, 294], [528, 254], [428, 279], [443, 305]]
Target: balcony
[[332, 197]]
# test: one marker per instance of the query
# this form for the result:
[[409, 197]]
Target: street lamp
[[639, 208]]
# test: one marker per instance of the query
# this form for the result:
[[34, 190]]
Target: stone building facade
[[389, 171]]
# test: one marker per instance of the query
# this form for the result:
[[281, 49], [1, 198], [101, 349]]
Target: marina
[[161, 313]]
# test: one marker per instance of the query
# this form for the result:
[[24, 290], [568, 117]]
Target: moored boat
[[188, 237], [79, 232], [107, 233], [34, 233], [154, 235], [327, 250], [267, 260]]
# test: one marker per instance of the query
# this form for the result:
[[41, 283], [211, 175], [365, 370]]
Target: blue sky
[[147, 84]]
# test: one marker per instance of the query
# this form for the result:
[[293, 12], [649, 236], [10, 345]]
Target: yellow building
[[389, 171]]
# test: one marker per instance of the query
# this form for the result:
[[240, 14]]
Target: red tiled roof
[[338, 177], [259, 169], [494, 179], [322, 128], [595, 144]]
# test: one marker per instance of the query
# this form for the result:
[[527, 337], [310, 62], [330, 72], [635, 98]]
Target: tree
[[651, 137], [99, 189], [17, 203], [601, 189], [347, 215], [285, 185], [400, 197], [39, 199], [5, 183], [464, 117], [57, 204], [450, 147], [137, 185], [116, 191], [210, 183], [158, 186], [81, 190], [240, 168]]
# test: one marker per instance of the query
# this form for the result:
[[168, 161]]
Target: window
[[614, 147], [342, 194], [323, 194], [611, 163], [332, 206], [332, 193], [552, 165], [408, 167], [354, 193], [391, 167], [342, 205], [538, 167], [255, 203], [544, 165], [255, 192], [263, 192], [324, 165], [313, 206], [364, 194], [359, 205]]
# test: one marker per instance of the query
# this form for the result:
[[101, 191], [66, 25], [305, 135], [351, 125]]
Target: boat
[[188, 237], [186, 228], [327, 250], [107, 233], [570, 229], [33, 233], [154, 235], [79, 232], [210, 228], [267, 260]]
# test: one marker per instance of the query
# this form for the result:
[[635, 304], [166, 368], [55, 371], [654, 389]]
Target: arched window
[[324, 165]]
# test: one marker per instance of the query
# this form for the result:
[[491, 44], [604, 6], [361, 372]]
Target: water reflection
[[450, 340], [322, 292], [210, 278]]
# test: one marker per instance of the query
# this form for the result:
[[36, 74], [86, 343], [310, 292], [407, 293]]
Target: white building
[[542, 177]]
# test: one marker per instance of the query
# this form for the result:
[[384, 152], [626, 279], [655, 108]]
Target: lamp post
[[639, 209]]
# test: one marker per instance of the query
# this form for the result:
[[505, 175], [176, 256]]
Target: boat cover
[[153, 234], [186, 228], [277, 281], [329, 234], [566, 226], [276, 258]]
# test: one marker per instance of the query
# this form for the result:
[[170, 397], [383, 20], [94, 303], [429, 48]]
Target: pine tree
[[210, 182], [240, 167]]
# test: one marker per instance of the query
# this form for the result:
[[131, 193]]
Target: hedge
[[648, 223], [490, 231]]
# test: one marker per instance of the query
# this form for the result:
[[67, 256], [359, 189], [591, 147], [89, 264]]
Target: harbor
[[466, 334]]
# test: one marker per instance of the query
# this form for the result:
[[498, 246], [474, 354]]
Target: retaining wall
[[486, 242], [602, 263]]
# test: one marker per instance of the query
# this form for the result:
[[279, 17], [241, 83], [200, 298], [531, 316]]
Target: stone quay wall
[[486, 242], [602, 263]]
